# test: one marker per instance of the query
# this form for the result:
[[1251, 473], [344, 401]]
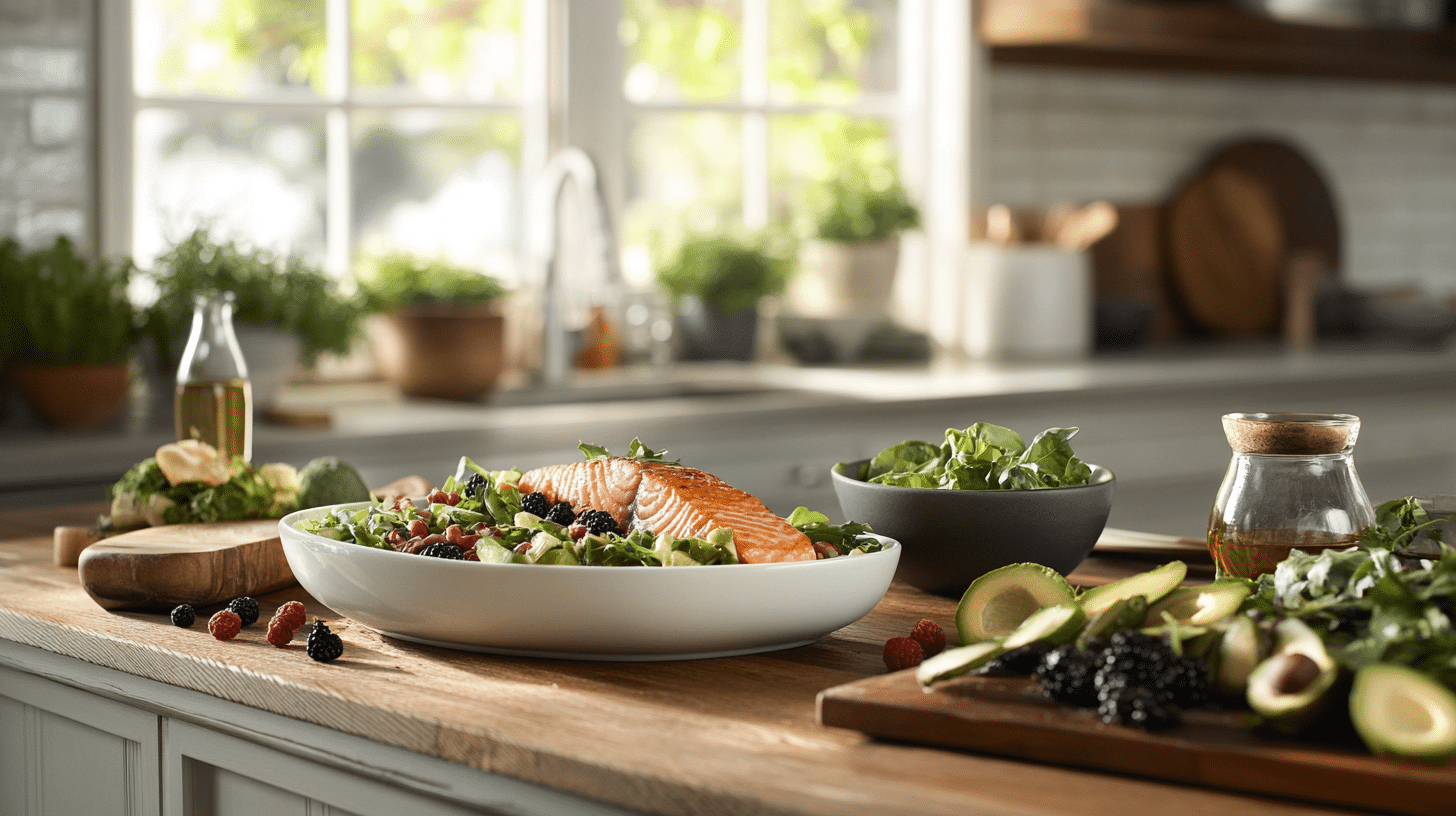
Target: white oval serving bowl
[[586, 613]]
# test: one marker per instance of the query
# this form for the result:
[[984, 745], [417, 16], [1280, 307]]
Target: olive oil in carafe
[[218, 413], [1251, 553]]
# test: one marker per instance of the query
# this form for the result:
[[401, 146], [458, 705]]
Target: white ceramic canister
[[1027, 301]]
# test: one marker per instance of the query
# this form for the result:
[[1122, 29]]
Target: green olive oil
[[218, 413]]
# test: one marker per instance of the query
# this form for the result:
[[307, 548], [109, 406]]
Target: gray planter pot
[[709, 333]]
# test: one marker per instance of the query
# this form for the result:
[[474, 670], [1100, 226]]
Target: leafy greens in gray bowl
[[979, 501]]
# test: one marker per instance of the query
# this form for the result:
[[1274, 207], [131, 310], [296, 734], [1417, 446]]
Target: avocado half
[[1400, 712], [1293, 687], [996, 603]]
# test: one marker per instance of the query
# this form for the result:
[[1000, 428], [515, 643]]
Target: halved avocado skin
[[1043, 583], [1372, 686], [1298, 657]]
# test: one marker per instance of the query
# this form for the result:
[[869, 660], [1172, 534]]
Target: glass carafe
[[214, 398], [1291, 485]]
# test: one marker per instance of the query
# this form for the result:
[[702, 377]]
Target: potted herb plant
[[287, 311], [717, 282], [847, 266], [67, 331], [440, 332]]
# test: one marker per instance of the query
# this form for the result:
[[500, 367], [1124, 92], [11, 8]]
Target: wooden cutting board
[[1008, 716], [1233, 226], [199, 564]]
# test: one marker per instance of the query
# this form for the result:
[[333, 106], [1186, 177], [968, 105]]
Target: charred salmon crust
[[672, 500]]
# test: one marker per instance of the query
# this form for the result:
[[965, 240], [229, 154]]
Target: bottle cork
[[1290, 434]]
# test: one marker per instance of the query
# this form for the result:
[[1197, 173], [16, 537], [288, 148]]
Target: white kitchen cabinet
[[65, 752], [77, 739]]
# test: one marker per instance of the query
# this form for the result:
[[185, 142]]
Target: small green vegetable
[[981, 457]]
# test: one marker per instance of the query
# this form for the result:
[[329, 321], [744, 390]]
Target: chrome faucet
[[574, 165]]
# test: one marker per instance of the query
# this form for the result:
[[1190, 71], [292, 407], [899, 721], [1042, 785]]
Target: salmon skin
[[674, 501]]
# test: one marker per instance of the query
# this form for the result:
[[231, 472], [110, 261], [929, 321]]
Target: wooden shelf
[[1206, 37]]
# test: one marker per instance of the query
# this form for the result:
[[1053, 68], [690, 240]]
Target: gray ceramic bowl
[[951, 537]]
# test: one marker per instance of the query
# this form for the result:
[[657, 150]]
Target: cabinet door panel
[[66, 752]]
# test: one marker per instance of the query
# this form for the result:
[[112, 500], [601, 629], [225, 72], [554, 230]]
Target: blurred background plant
[[728, 271], [397, 280], [286, 293], [63, 307], [860, 204]]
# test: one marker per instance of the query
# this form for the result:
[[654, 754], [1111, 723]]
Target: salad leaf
[[981, 457], [636, 450], [845, 538]]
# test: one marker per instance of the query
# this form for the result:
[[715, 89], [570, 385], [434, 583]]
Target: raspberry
[[292, 614], [903, 653], [225, 625], [280, 634], [930, 637], [324, 645], [245, 608], [184, 616]]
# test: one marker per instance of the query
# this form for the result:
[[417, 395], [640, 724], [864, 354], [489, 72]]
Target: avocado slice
[[1200, 606], [1292, 688], [997, 602], [955, 662], [1239, 650], [1155, 584], [1400, 712], [1055, 624], [1127, 613]]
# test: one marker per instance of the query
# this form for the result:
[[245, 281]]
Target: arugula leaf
[[844, 537], [636, 450], [981, 457]]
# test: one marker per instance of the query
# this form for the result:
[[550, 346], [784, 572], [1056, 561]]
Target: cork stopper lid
[[1291, 434]]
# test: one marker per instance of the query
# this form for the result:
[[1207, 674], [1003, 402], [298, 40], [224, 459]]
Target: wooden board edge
[[1347, 780]]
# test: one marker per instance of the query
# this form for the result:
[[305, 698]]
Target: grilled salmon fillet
[[674, 501]]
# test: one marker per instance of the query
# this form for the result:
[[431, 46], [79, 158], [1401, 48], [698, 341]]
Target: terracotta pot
[[443, 350], [74, 397]]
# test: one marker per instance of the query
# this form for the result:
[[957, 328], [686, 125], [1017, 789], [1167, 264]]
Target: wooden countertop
[[732, 735]]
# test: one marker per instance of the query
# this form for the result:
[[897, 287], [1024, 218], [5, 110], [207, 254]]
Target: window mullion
[[755, 122], [339, 218]]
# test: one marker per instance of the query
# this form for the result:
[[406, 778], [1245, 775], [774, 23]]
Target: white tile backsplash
[[1388, 150]]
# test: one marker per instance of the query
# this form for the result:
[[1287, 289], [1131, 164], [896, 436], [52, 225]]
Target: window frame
[[574, 97]]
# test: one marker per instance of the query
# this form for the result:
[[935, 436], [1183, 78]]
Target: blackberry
[[444, 549], [184, 616], [598, 522], [474, 486], [1020, 662], [245, 608], [1139, 707], [324, 645], [1133, 659], [1186, 682], [1065, 676], [536, 504], [561, 513]]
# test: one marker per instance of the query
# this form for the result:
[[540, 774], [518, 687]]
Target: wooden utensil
[[199, 564], [1010, 717], [1084, 226]]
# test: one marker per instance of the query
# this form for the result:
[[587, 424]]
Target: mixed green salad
[[479, 512], [189, 482], [981, 457]]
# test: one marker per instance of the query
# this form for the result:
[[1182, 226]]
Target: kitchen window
[[342, 129]]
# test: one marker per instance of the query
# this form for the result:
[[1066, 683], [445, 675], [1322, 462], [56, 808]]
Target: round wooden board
[[1234, 224]]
